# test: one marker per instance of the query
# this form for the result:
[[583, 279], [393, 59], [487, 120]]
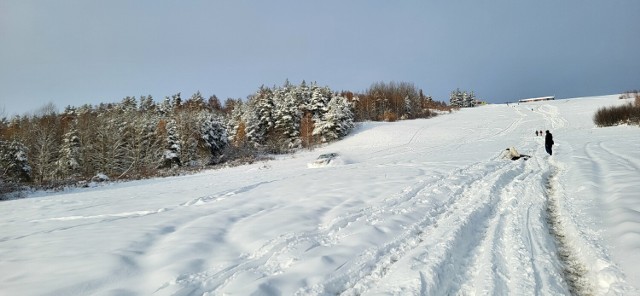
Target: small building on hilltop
[[549, 98]]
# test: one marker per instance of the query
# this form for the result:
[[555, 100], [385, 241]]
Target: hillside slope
[[423, 207]]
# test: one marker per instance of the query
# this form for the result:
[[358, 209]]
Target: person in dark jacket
[[548, 142]]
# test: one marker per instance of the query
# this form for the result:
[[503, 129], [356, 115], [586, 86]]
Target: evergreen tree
[[455, 98], [287, 115], [468, 100], [69, 163], [318, 100], [213, 135], [259, 118], [187, 125], [196, 101], [176, 101], [165, 108], [303, 93], [146, 104], [14, 164], [146, 145], [235, 119], [409, 107], [171, 156], [462, 99], [337, 121]]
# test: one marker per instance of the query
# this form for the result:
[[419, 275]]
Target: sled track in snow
[[574, 271], [275, 256], [449, 221], [372, 264], [477, 230]]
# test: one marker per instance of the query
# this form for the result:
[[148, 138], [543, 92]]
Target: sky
[[75, 52]]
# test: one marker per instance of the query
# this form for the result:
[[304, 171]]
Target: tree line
[[139, 137]]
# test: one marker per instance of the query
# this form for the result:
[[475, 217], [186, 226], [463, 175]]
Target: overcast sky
[[76, 52]]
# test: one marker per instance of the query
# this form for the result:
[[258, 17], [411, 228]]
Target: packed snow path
[[423, 207]]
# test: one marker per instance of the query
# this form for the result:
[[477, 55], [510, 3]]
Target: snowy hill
[[422, 207]]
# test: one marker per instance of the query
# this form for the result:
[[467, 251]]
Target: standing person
[[548, 142], [536, 133]]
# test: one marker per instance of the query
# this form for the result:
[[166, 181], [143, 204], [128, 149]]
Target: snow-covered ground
[[422, 207]]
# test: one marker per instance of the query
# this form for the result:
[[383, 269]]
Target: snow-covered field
[[422, 207]]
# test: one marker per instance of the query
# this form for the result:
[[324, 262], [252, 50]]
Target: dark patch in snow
[[574, 272]]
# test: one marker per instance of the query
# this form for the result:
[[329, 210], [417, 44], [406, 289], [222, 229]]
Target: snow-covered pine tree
[[317, 106], [319, 100], [455, 98], [302, 93], [235, 122], [146, 145], [287, 116], [69, 163], [462, 99], [259, 118], [344, 113], [337, 121], [146, 104], [196, 101], [165, 108], [171, 156], [188, 127], [86, 127], [469, 100], [14, 164], [213, 135], [104, 143], [409, 107], [176, 101]]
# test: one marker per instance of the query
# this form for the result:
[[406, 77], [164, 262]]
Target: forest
[[140, 138]]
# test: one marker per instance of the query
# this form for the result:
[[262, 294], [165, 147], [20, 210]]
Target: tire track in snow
[[517, 255], [465, 223], [490, 274], [474, 242], [465, 213], [277, 255], [502, 248], [574, 271]]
